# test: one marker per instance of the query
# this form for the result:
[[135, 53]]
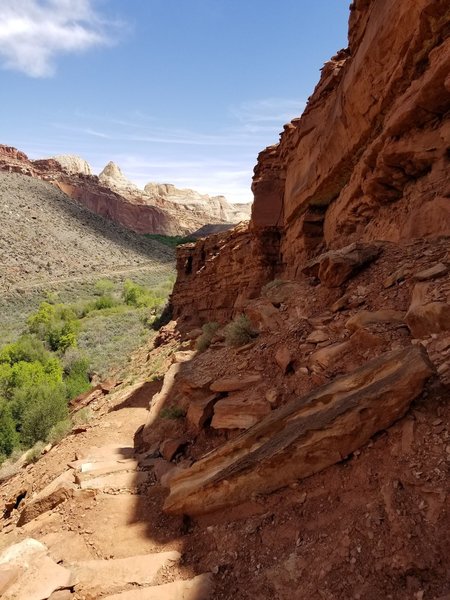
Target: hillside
[[46, 237], [49, 243]]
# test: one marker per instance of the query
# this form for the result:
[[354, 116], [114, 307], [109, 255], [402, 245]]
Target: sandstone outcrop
[[367, 160], [74, 165], [305, 436], [228, 268]]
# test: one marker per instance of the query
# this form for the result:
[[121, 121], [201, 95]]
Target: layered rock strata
[[230, 267], [159, 208], [368, 159], [304, 436]]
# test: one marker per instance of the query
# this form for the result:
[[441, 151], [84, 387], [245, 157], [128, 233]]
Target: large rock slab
[[113, 575], [367, 317], [59, 490], [425, 317], [235, 383], [239, 411], [337, 266], [28, 573], [198, 588], [304, 436]]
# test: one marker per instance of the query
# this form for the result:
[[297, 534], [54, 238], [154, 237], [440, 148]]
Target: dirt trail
[[101, 533]]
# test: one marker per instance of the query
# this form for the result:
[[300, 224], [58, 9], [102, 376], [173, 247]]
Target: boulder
[[317, 336], [324, 357], [239, 411], [283, 358], [264, 315], [28, 573], [56, 492], [337, 266], [303, 436], [108, 576], [200, 411], [170, 447], [438, 270], [366, 317], [235, 383], [200, 587], [424, 317]]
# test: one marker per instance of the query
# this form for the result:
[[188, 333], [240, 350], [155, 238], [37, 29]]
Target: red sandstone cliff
[[367, 160]]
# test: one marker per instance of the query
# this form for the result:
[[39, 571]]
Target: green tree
[[37, 409], [9, 438]]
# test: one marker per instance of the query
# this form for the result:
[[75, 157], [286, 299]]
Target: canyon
[[288, 432], [157, 209]]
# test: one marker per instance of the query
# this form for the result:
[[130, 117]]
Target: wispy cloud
[[212, 160], [33, 33], [268, 111]]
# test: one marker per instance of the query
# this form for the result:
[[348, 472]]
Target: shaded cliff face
[[369, 158], [219, 273], [163, 210]]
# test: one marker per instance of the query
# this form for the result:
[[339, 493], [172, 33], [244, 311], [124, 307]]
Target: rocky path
[[86, 530]]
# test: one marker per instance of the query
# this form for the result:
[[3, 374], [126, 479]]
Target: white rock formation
[[73, 164]]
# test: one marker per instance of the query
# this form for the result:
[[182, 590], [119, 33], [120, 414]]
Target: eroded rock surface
[[304, 436]]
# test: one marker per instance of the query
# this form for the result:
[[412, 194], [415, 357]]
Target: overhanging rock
[[304, 436]]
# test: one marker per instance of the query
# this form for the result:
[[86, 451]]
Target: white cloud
[[267, 112], [33, 33]]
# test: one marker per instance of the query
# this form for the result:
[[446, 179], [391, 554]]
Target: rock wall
[[369, 158], [370, 153], [219, 273]]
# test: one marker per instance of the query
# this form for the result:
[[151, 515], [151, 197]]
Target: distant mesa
[[159, 208]]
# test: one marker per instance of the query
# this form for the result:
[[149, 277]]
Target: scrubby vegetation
[[240, 331], [204, 340], [172, 412], [60, 348], [170, 240]]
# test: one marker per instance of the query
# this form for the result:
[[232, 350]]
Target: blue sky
[[179, 91]]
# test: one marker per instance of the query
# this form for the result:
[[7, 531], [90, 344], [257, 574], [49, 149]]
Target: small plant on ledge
[[240, 331]]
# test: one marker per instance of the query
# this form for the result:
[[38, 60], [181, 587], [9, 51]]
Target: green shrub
[[40, 321], [9, 438], [37, 409], [24, 374], [239, 332], [83, 416], [76, 384], [104, 302], [27, 348], [76, 373], [35, 453], [172, 412], [59, 431], [55, 324], [104, 287], [204, 340]]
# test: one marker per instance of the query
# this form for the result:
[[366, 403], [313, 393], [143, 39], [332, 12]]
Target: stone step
[[108, 452], [28, 573], [108, 576], [116, 481], [198, 588], [89, 470]]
